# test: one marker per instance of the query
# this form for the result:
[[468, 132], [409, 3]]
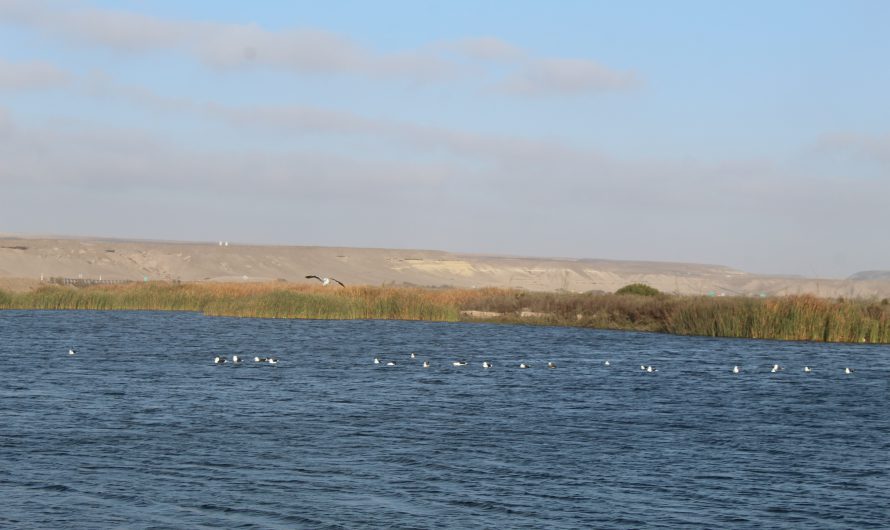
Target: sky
[[749, 134]]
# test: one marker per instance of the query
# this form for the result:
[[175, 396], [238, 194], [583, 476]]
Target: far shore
[[25, 261], [784, 318]]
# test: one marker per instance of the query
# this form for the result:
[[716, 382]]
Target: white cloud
[[86, 156], [120, 30], [489, 60], [485, 49], [868, 148], [567, 76], [30, 75]]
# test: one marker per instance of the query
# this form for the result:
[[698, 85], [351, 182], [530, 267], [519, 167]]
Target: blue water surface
[[140, 429]]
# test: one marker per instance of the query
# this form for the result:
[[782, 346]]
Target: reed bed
[[785, 318]]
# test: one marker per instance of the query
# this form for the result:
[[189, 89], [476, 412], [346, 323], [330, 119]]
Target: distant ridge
[[28, 262], [871, 276]]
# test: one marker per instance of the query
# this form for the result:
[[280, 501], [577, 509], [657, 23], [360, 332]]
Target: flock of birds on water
[[237, 359], [648, 368]]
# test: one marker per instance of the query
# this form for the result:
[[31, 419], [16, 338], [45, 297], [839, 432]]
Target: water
[[141, 430]]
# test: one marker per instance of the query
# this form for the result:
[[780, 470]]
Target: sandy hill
[[25, 260]]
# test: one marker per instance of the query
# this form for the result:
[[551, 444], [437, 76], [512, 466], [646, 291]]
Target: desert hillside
[[25, 261]]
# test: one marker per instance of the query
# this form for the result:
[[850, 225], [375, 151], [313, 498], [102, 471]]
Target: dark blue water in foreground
[[141, 430]]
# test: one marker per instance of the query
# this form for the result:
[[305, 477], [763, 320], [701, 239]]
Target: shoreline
[[797, 318]]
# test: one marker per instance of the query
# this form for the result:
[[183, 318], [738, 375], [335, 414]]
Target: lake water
[[140, 430]]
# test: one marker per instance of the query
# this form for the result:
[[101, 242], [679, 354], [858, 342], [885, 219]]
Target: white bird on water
[[413, 355], [776, 369], [391, 363], [260, 359], [71, 351], [486, 364], [426, 364], [272, 360], [376, 360], [325, 281], [607, 363], [736, 369], [650, 369], [236, 359], [807, 369], [848, 370], [459, 363], [551, 365], [523, 365], [219, 360]]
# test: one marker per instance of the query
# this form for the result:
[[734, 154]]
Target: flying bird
[[325, 281]]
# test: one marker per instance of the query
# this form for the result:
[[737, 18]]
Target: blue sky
[[755, 134]]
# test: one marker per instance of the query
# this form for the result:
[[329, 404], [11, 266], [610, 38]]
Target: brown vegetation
[[787, 318]]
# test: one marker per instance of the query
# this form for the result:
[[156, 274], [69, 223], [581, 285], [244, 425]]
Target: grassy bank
[[787, 318]]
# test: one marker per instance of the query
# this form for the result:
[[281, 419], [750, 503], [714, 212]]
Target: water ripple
[[141, 429]]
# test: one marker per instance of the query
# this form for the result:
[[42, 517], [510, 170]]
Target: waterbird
[[376, 360], [459, 363], [807, 369], [426, 364], [260, 359], [607, 363], [272, 360], [650, 369], [848, 370], [643, 367], [736, 369], [236, 359], [551, 364], [219, 360], [776, 368], [523, 365], [325, 281], [413, 355], [71, 351], [486, 364], [390, 363]]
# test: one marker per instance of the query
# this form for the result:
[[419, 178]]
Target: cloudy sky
[[749, 134]]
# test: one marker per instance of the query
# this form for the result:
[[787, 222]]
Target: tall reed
[[787, 318]]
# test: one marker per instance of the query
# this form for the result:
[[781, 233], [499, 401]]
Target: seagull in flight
[[325, 281]]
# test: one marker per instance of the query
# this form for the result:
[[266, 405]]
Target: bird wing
[[313, 276], [338, 281]]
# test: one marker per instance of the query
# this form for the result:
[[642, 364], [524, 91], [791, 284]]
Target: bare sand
[[26, 261]]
